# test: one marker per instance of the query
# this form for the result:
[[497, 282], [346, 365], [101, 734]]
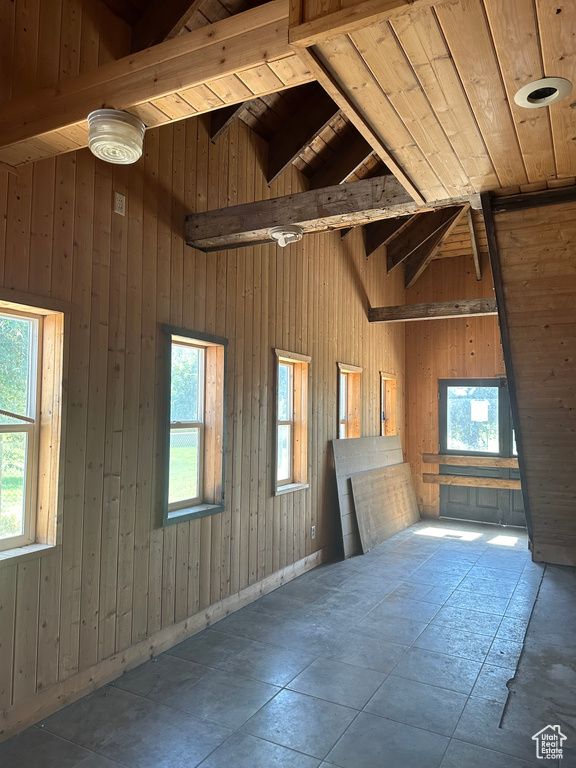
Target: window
[[195, 439], [388, 405], [30, 403], [291, 421], [475, 417], [348, 400]]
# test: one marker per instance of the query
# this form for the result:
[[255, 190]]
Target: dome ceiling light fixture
[[115, 136], [286, 235], [542, 93]]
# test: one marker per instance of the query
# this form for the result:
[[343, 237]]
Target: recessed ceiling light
[[542, 93], [115, 136]]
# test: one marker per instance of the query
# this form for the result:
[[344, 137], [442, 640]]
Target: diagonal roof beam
[[347, 159], [383, 232], [308, 120], [162, 21], [222, 119], [417, 232], [421, 256]]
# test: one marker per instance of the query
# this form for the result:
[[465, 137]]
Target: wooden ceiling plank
[[419, 259], [433, 311], [331, 65], [474, 243], [557, 22], [337, 207], [380, 233], [425, 48], [162, 21], [465, 28], [307, 121], [380, 51], [342, 163], [514, 30]]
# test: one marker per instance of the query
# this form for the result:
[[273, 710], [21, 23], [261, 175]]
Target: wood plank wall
[[118, 577], [537, 249], [444, 349]]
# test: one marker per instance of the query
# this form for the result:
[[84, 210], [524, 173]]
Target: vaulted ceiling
[[343, 90]]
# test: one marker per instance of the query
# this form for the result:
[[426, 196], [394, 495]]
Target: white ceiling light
[[115, 136], [286, 235], [542, 93]]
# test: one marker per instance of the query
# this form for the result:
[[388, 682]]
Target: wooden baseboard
[[555, 554], [46, 702]]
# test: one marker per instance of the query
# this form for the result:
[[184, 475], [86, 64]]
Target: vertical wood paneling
[[120, 577], [443, 349]]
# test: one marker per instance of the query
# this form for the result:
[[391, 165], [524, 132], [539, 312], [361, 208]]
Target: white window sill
[[281, 489], [28, 552]]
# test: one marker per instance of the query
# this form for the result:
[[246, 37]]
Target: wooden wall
[[444, 349], [537, 253], [119, 581]]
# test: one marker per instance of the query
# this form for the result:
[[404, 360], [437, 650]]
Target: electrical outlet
[[119, 203], [313, 530]]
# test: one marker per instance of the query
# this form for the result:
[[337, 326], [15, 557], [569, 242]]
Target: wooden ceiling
[[435, 82]]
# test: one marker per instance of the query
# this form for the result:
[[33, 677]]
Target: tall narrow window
[[389, 424], [30, 406], [19, 426], [291, 421], [348, 400], [195, 426]]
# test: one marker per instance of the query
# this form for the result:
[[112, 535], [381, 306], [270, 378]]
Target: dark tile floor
[[397, 659]]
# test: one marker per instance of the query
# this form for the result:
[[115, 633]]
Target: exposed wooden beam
[[338, 207], [474, 242], [347, 159], [534, 199], [332, 87], [380, 233], [494, 257], [52, 120], [347, 20], [334, 207], [419, 259], [222, 119], [475, 482], [162, 21], [441, 310], [307, 121]]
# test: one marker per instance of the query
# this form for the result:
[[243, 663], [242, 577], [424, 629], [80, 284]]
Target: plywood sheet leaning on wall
[[352, 457], [385, 503]]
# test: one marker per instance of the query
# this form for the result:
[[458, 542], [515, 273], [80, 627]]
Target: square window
[[195, 439]]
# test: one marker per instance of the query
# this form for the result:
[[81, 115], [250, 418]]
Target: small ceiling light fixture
[[115, 136], [286, 235], [542, 93]]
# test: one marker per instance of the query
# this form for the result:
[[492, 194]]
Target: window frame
[[352, 374], [505, 425], [211, 448], [43, 488], [299, 432]]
